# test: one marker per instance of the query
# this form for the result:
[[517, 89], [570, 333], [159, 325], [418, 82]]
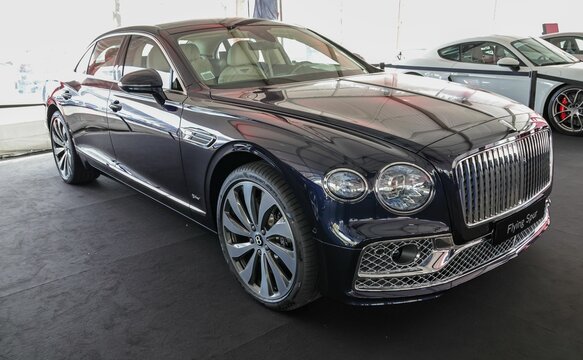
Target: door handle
[[115, 106], [67, 95]]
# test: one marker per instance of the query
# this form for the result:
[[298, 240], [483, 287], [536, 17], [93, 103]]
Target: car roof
[[495, 38], [561, 34], [189, 25]]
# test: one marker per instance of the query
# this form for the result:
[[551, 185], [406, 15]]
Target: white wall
[[52, 35]]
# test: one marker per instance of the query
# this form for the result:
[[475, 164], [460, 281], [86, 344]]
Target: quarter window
[[450, 53], [82, 65], [484, 53], [144, 53], [102, 63]]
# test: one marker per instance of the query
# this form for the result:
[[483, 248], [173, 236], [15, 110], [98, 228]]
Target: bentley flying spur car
[[320, 174]]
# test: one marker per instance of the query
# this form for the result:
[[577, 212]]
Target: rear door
[[86, 99], [145, 134], [477, 67]]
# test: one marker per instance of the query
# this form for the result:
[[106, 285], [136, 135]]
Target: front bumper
[[444, 268]]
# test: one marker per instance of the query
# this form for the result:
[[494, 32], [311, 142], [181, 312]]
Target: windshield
[[541, 53], [263, 55]]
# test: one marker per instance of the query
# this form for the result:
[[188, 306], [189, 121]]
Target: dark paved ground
[[102, 272]]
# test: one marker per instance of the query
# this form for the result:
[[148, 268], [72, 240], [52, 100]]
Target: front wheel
[[68, 163], [565, 110], [266, 238]]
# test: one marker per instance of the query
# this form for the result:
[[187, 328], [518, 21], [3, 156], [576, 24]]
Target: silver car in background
[[528, 70], [570, 42]]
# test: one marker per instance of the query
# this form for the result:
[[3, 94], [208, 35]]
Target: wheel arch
[[233, 155], [51, 109], [551, 94]]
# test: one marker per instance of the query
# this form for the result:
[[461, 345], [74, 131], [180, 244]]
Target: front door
[[477, 68], [145, 134]]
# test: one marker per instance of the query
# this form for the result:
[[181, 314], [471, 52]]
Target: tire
[[69, 165], [266, 238], [565, 110]]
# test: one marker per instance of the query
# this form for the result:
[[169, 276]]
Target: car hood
[[572, 71], [405, 110]]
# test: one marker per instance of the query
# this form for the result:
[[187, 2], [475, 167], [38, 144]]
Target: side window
[[82, 65], [102, 63], [484, 53], [579, 42], [144, 53], [450, 53]]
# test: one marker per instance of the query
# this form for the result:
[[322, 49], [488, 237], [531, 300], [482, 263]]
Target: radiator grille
[[497, 180]]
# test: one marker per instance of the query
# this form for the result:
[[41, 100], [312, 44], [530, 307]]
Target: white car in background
[[528, 70], [571, 42]]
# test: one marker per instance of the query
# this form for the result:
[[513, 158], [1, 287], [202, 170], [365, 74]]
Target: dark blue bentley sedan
[[320, 173]]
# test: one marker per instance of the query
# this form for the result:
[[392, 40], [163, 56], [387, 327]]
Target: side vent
[[198, 137]]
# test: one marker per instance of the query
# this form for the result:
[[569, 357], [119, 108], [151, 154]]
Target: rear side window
[[450, 53], [82, 65], [102, 63]]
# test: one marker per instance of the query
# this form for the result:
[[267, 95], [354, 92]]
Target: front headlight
[[404, 188], [345, 185]]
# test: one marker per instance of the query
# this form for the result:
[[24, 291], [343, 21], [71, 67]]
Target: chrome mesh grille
[[467, 260], [497, 180], [376, 259]]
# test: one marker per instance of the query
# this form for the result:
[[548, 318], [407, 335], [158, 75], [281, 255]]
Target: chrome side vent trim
[[198, 137], [497, 180]]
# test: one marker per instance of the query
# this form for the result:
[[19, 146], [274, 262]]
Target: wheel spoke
[[565, 119], [280, 228], [238, 210], [58, 150], [265, 287], [249, 271], [238, 250], [560, 112], [267, 202], [287, 256], [62, 162], [233, 227], [56, 139], [560, 103], [280, 280], [68, 165], [249, 203], [576, 96]]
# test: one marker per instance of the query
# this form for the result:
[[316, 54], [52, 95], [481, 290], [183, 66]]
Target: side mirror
[[146, 81], [509, 62]]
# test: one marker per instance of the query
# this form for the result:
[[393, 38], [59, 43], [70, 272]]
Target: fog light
[[406, 254]]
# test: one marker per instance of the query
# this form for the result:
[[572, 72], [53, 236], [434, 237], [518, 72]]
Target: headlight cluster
[[400, 187]]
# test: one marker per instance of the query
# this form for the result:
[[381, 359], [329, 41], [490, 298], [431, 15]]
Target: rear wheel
[[266, 238], [68, 163], [565, 110]]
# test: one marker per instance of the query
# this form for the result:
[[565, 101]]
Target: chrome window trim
[[152, 37], [119, 170], [339, 199], [398, 212]]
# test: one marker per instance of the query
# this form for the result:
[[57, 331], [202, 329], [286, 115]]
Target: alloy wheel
[[567, 110], [259, 241], [62, 147]]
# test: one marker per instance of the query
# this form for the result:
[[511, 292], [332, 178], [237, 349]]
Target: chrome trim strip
[[120, 170], [150, 36]]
